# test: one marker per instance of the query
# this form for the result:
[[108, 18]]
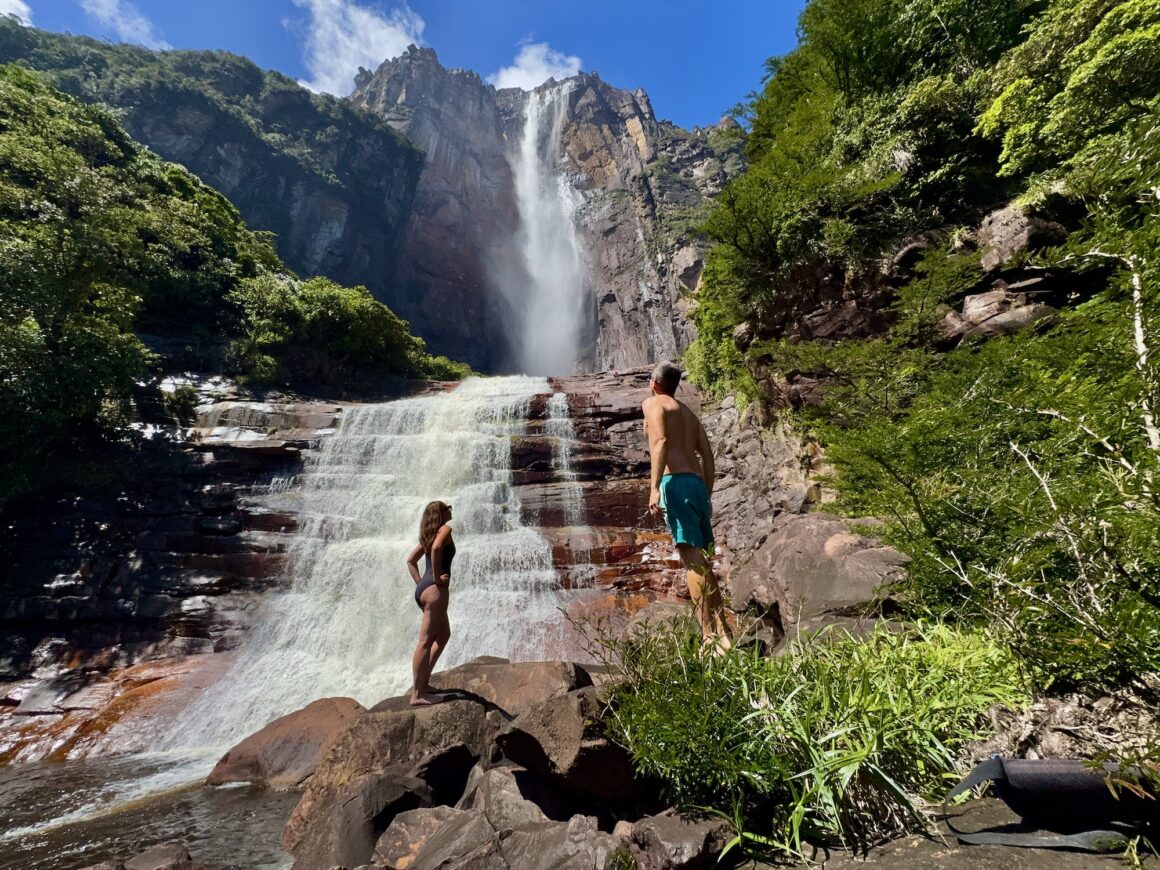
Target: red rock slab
[[617, 503], [286, 752]]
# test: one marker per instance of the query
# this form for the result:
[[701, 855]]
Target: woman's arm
[[441, 538], [413, 562]]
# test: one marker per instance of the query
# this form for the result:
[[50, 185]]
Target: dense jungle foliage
[[1018, 471], [101, 243]]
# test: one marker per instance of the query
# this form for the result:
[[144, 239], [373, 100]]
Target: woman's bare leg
[[434, 602], [442, 630]]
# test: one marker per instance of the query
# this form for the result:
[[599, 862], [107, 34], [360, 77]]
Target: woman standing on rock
[[431, 594]]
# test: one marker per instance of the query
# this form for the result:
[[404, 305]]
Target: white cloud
[[342, 36], [18, 8], [535, 64], [126, 21]]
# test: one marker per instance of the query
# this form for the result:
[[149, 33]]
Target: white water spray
[[348, 624], [552, 304]]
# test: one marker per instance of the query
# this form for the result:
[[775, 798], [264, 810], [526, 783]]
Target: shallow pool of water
[[72, 814]]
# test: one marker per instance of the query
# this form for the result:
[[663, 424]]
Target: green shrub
[[317, 332], [837, 739]]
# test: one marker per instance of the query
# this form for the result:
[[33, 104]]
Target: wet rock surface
[[287, 751], [167, 567]]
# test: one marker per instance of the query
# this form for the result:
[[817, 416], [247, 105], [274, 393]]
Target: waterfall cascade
[[560, 429], [552, 305], [348, 623]]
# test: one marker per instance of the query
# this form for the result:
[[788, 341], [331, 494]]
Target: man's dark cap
[[667, 376]]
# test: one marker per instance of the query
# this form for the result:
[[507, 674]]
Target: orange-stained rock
[[286, 752], [129, 706]]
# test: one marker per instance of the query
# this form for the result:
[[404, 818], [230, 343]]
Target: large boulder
[[406, 836], [287, 751], [813, 564], [456, 839], [513, 796], [513, 686], [999, 311], [344, 831], [577, 844], [670, 841], [1010, 231], [392, 742], [563, 738]]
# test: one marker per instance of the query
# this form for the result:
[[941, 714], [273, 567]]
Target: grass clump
[[838, 740]]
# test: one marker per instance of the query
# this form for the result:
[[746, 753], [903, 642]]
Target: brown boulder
[[1010, 321], [463, 839], [564, 739], [406, 836], [391, 741], [345, 830], [1010, 231], [167, 856], [577, 844], [812, 564], [287, 751], [510, 797], [996, 312], [514, 687], [455, 839], [670, 841]]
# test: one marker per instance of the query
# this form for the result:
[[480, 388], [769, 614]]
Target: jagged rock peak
[[639, 188]]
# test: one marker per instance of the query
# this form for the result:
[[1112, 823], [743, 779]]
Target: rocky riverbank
[[513, 771]]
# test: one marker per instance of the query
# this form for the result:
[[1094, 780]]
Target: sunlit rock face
[[633, 188]]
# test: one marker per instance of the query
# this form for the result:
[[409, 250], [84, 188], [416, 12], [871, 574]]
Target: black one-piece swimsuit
[[428, 577]]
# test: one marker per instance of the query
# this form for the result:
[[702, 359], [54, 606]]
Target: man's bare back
[[686, 444]]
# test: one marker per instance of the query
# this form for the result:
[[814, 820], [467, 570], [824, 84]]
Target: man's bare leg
[[708, 606]]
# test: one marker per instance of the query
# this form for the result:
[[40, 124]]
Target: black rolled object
[[1066, 797]]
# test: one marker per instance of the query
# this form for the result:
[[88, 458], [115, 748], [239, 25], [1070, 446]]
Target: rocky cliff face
[[433, 236], [333, 183], [641, 184]]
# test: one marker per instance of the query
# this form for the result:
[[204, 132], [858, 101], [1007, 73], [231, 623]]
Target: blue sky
[[695, 59]]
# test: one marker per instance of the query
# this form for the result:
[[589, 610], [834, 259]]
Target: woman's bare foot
[[426, 699]]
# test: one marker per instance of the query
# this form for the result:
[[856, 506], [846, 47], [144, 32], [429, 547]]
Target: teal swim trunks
[[685, 501]]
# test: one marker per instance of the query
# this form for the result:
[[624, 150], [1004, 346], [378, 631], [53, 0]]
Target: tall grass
[[836, 740]]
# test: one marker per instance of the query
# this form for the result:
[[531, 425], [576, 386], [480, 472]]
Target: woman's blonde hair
[[434, 516]]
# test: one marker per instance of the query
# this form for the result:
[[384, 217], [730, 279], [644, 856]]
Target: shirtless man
[[681, 487]]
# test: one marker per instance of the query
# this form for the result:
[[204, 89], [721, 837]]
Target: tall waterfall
[[348, 624], [552, 304]]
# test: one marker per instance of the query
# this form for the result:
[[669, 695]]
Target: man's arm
[[658, 449], [705, 449]]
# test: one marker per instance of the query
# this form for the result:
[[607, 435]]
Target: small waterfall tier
[[347, 623]]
